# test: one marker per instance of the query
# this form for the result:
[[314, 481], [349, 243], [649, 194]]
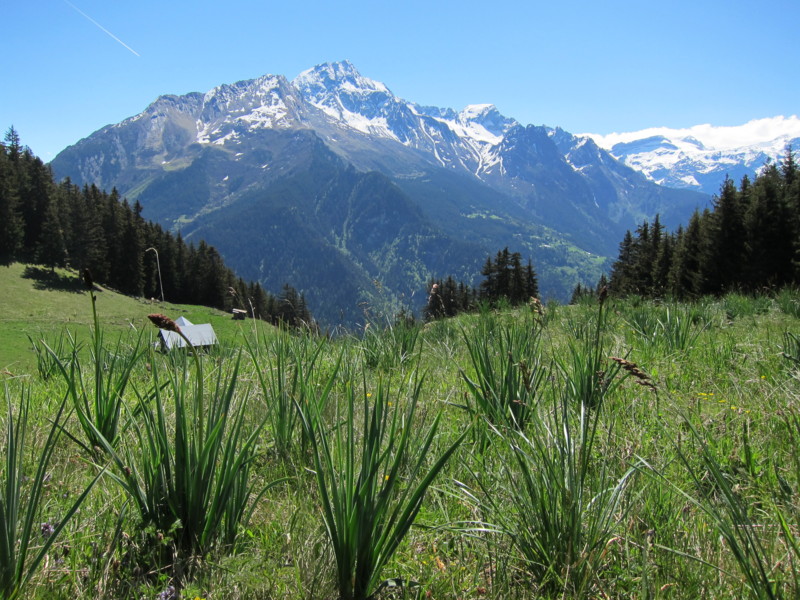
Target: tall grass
[[390, 347], [556, 500], [24, 543], [737, 306], [721, 501], [554, 512], [791, 348], [588, 373], [49, 355], [98, 404], [680, 328], [788, 301], [507, 374], [673, 328], [187, 469], [371, 479], [283, 366]]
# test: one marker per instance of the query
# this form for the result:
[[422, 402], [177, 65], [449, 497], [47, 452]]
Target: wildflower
[[48, 529], [168, 594]]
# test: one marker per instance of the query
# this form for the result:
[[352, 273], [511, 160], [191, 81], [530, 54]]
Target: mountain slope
[[383, 192]]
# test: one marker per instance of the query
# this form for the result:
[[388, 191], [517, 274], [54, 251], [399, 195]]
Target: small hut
[[200, 336]]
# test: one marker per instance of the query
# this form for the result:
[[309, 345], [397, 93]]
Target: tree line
[[63, 225], [506, 280], [748, 241]]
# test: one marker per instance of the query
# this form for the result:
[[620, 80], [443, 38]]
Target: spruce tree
[[531, 282], [622, 271], [11, 225], [724, 248], [51, 249], [684, 274], [767, 224], [662, 265]]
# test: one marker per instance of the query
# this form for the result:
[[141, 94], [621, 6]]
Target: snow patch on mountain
[[335, 99], [756, 132], [341, 92], [700, 157]]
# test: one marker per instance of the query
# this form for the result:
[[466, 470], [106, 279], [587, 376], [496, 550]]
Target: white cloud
[[755, 132]]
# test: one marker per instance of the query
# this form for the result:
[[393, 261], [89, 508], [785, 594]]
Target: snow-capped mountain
[[700, 157], [331, 173]]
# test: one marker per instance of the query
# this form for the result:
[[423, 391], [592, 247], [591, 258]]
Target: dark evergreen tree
[[622, 281], [531, 282], [661, 266], [489, 286], [37, 192], [51, 248], [12, 143], [684, 274], [767, 223], [723, 248], [12, 231]]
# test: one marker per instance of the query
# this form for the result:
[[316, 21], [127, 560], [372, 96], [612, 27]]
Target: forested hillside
[[749, 241], [61, 224]]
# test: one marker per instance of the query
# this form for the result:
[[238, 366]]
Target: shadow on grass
[[45, 279]]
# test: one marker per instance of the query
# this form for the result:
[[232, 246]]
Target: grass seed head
[[632, 368], [87, 279], [164, 322]]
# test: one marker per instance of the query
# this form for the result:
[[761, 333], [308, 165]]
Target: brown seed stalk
[[164, 322]]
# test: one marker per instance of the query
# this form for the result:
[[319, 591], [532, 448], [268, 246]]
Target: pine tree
[[11, 225], [12, 143], [516, 285], [723, 252], [489, 288], [768, 229], [662, 265], [578, 293], [531, 283], [684, 274], [622, 271], [51, 249]]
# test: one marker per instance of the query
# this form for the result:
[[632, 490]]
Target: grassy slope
[[716, 365], [36, 302]]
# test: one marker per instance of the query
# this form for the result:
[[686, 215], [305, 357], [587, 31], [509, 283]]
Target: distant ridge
[[700, 157]]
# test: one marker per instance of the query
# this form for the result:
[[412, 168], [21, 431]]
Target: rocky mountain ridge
[[384, 192]]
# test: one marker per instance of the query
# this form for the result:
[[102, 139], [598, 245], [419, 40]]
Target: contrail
[[101, 27]]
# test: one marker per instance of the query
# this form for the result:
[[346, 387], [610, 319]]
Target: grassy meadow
[[38, 302], [614, 449]]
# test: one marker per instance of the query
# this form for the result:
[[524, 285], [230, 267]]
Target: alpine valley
[[356, 197]]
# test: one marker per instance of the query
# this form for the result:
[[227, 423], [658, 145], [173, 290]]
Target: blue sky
[[70, 67]]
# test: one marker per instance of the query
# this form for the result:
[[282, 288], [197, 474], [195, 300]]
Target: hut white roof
[[201, 336]]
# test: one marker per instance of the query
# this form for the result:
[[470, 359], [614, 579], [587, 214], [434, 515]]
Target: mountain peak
[[331, 76], [487, 117], [341, 92]]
